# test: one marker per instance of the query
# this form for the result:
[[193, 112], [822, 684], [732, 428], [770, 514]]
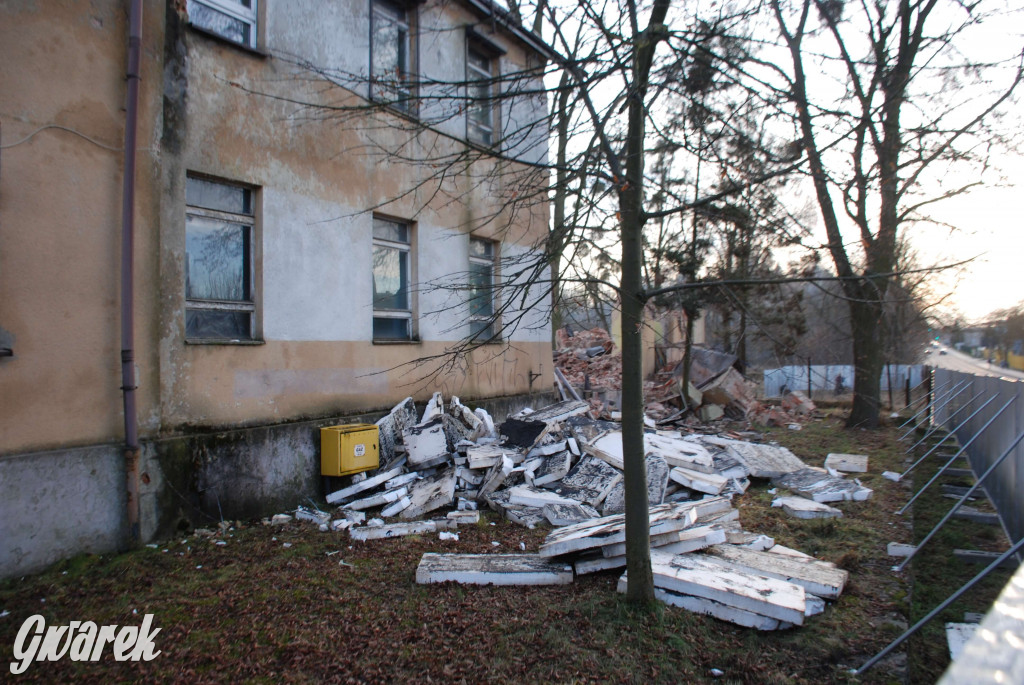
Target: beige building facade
[[315, 210]]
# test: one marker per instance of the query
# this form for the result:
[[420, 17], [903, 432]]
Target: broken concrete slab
[[390, 427], [957, 636], [675, 542], [730, 389], [742, 538], [788, 551], [819, 485], [589, 481], [475, 428], [816, 577], [761, 461], [709, 483], [900, 549], [525, 495], [694, 575], [678, 451], [552, 469], [380, 500], [977, 516], [426, 443], [485, 456], [977, 556], [396, 508], [708, 607], [464, 518], [345, 493], [609, 530], [657, 483], [495, 477], [492, 569], [803, 508], [559, 411], [568, 514], [431, 493], [530, 517], [396, 530], [434, 408], [524, 433], [847, 463]]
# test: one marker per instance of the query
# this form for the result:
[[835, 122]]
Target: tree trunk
[[866, 319]]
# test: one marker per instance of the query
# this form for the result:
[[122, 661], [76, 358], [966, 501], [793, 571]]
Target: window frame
[[405, 83], [250, 16], [405, 248], [249, 272], [489, 332]]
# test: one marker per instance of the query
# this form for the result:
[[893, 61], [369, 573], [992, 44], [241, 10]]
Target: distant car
[[928, 351], [942, 352]]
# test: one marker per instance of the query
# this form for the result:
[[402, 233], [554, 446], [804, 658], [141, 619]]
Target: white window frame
[[491, 262], [399, 95], [248, 221], [406, 248], [236, 10], [475, 133]]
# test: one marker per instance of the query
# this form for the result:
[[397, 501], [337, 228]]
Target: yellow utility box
[[349, 449]]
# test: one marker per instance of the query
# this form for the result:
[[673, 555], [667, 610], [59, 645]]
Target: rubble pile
[[588, 359], [559, 465]]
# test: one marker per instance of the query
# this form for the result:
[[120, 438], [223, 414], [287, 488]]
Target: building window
[[481, 288], [392, 311], [219, 298], [481, 75], [391, 61], [234, 20]]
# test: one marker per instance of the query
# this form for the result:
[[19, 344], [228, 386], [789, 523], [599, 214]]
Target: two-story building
[[322, 199]]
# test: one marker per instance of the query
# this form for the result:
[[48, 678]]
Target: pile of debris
[[587, 360], [561, 466]]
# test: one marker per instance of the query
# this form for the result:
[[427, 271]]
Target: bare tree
[[896, 122]]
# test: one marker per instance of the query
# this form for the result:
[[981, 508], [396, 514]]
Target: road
[[957, 361]]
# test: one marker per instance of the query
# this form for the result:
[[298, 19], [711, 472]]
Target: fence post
[[906, 391], [809, 383]]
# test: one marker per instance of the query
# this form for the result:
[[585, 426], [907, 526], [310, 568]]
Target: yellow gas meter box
[[349, 449]]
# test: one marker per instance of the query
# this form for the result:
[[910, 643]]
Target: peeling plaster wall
[[204, 108]]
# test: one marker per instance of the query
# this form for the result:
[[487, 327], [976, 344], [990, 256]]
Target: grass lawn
[[289, 603]]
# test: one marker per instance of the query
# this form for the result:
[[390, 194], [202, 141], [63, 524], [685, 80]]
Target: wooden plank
[[691, 574], [817, 578], [492, 569]]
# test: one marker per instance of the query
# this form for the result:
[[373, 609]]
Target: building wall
[[207, 107]]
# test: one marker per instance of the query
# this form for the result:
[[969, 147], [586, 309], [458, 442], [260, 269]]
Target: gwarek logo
[[81, 641]]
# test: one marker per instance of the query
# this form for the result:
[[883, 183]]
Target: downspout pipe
[[128, 386]]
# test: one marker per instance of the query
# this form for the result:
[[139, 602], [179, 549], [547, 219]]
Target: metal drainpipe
[[131, 429]]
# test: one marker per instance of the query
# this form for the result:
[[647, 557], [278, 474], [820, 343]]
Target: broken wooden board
[[589, 481], [568, 514], [762, 461], [819, 485], [709, 483], [847, 463], [345, 493], [816, 577], [430, 494], [425, 443], [609, 530], [691, 574], [397, 530], [803, 508], [492, 569], [788, 551]]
